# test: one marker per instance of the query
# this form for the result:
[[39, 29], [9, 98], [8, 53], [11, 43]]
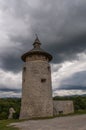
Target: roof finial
[[37, 42], [37, 39], [36, 36]]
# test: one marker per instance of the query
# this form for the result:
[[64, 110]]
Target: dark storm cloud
[[11, 63], [70, 87], [61, 26], [75, 82], [5, 89], [68, 49]]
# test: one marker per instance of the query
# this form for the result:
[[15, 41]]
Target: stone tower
[[36, 84]]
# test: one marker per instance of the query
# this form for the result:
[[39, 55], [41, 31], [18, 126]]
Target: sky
[[61, 27]]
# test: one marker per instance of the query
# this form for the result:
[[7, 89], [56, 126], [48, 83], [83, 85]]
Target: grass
[[4, 125], [79, 112]]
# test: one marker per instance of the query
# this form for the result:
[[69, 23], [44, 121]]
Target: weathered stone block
[[63, 107]]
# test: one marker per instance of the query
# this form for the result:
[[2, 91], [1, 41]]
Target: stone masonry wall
[[36, 90], [63, 107]]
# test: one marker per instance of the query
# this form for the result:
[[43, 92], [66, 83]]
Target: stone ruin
[[37, 87], [11, 112], [63, 107]]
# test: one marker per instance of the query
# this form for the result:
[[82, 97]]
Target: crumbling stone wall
[[63, 107]]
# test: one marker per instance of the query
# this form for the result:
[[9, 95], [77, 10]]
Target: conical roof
[[36, 50]]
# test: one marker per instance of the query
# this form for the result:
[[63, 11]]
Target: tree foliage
[[6, 103], [79, 101]]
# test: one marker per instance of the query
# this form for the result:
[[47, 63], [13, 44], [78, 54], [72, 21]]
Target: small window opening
[[24, 69], [43, 80], [23, 80], [48, 68], [60, 112]]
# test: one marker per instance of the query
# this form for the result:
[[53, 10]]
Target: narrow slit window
[[48, 68], [23, 80], [24, 69]]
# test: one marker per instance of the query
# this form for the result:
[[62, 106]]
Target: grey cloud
[[69, 49], [71, 87], [5, 89], [61, 26], [75, 82], [11, 63]]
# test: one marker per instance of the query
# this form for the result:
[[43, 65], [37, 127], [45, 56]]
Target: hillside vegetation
[[79, 101], [6, 103]]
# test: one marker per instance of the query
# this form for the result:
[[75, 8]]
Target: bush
[[79, 101], [6, 103]]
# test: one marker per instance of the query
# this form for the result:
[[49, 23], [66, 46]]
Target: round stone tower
[[36, 84]]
